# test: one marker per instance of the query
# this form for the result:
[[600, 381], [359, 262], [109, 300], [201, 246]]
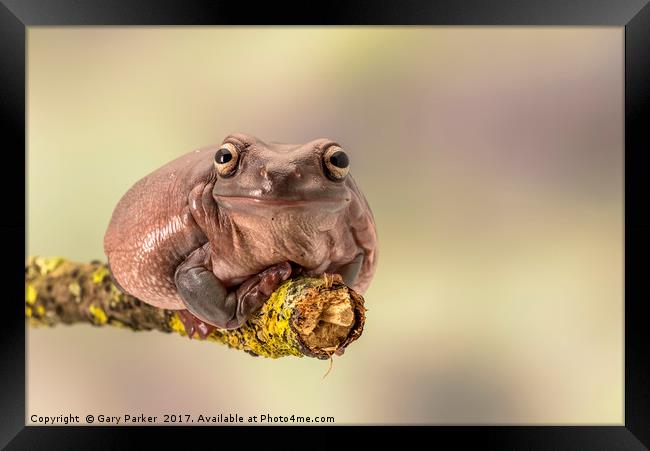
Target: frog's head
[[255, 177]]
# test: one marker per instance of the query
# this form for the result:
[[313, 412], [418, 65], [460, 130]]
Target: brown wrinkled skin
[[279, 206]]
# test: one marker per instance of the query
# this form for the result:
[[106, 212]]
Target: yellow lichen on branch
[[305, 316]]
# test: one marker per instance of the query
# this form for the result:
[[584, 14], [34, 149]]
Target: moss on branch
[[305, 316]]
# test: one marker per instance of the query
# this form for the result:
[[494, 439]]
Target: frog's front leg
[[207, 299], [350, 270]]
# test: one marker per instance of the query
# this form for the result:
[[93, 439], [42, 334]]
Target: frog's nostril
[[267, 185], [280, 178]]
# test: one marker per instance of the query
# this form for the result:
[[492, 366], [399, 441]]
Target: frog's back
[[152, 230]]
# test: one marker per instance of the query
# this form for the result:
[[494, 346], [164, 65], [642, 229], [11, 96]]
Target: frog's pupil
[[339, 159], [223, 156]]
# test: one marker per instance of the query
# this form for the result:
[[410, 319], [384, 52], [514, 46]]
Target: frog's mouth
[[279, 202]]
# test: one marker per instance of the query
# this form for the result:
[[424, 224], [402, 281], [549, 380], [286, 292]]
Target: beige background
[[493, 161]]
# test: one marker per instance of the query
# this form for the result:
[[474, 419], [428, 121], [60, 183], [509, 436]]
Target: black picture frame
[[634, 15]]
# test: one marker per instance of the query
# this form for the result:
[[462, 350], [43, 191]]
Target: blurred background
[[491, 157]]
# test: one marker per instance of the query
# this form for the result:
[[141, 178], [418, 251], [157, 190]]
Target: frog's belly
[[315, 257]]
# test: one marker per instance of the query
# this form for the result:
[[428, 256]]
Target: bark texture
[[305, 316]]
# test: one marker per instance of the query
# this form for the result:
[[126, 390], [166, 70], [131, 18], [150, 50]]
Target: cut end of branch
[[328, 317]]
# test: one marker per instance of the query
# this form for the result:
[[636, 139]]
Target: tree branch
[[305, 316]]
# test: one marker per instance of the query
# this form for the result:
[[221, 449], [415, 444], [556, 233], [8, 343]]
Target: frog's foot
[[254, 292], [194, 325], [209, 301]]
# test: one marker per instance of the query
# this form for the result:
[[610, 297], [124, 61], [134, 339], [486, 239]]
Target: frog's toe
[[192, 325], [272, 278]]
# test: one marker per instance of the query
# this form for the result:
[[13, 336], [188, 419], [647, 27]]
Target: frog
[[213, 233]]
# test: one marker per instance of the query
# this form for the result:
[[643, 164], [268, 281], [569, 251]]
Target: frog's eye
[[337, 163], [226, 159]]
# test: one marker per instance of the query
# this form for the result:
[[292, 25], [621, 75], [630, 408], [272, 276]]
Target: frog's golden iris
[[226, 160], [337, 163]]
